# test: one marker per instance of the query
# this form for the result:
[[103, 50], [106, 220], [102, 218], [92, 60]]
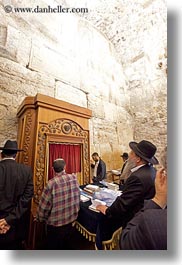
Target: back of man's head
[[95, 154], [59, 165], [8, 153]]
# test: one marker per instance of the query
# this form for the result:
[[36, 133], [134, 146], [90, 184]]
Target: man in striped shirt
[[59, 206]]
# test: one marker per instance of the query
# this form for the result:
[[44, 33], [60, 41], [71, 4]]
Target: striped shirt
[[60, 200]]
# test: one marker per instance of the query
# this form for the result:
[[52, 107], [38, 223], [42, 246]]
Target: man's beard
[[131, 163]]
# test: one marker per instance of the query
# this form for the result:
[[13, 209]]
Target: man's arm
[[123, 203], [102, 173], [45, 205], [131, 196], [160, 197]]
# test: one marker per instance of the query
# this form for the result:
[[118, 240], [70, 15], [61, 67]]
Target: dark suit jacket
[[16, 192], [138, 187], [147, 230], [101, 171]]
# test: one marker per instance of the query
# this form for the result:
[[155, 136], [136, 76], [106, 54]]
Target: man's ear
[[139, 159]]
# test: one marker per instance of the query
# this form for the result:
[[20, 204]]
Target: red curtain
[[71, 154]]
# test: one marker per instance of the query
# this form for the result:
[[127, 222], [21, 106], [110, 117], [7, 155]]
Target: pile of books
[[85, 196], [91, 188], [113, 186]]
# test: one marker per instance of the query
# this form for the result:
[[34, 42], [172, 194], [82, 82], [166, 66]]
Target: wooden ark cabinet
[[44, 120]]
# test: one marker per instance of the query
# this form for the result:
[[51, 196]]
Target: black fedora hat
[[125, 155], [10, 146], [146, 150]]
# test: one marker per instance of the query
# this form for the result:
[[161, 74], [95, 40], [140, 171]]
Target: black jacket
[[137, 188], [147, 230], [16, 190], [101, 171]]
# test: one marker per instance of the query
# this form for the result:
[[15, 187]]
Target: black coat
[[101, 171], [138, 187], [147, 230], [16, 192]]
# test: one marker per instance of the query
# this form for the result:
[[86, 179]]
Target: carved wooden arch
[[59, 127]]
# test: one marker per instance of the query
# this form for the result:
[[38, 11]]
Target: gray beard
[[131, 163]]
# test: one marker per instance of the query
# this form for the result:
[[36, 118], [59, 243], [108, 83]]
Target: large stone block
[[96, 104], [3, 35], [18, 44], [70, 94], [17, 80], [54, 63], [110, 111]]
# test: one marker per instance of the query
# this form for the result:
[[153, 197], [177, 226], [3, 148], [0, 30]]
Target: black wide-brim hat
[[11, 146], [125, 155], [146, 150]]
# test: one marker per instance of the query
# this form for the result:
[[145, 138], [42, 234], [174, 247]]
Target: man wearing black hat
[[16, 192], [147, 230], [138, 187]]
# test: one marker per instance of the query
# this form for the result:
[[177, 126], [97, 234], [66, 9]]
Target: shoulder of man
[[72, 176], [24, 166], [101, 161]]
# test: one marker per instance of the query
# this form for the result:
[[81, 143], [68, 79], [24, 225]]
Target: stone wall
[[111, 60], [138, 32]]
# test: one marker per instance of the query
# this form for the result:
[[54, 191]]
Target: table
[[96, 227]]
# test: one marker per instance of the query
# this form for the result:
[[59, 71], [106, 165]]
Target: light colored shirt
[[60, 200], [136, 168], [6, 158], [95, 169]]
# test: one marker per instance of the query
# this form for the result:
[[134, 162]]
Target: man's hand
[[4, 226], [160, 197], [101, 208]]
